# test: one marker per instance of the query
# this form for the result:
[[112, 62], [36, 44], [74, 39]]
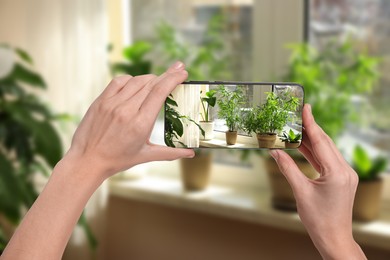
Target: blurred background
[[57, 56]]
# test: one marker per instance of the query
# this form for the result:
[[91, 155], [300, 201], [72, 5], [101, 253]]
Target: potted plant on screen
[[291, 139], [369, 191], [207, 124], [230, 103], [270, 118]]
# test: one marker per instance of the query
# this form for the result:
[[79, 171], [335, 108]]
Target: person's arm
[[324, 204], [113, 136]]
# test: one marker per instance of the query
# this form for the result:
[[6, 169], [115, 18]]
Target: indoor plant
[[29, 143], [331, 77], [291, 139], [135, 63], [368, 194], [269, 119], [207, 124], [173, 123], [230, 103]]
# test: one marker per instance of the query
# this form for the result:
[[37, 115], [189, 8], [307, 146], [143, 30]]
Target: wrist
[[81, 168], [339, 247]]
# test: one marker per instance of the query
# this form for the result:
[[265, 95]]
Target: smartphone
[[234, 115]]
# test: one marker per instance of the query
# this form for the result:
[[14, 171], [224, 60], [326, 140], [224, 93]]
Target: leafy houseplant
[[270, 118], [291, 139], [174, 128], [331, 77], [230, 103], [208, 101], [136, 64], [29, 143], [368, 194]]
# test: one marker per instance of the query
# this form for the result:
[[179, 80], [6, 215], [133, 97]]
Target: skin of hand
[[113, 136], [324, 204]]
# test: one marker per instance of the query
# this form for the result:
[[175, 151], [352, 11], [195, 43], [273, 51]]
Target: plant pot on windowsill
[[368, 200], [231, 137], [282, 196], [208, 127], [291, 139], [266, 140], [369, 191], [195, 172], [291, 145]]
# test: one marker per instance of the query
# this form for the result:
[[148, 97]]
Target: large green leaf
[[378, 166], [361, 161], [22, 74], [24, 55], [45, 137], [137, 51], [9, 191], [48, 143]]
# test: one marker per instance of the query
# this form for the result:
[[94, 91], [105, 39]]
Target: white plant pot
[[208, 128]]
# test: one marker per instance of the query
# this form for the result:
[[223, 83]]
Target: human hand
[[114, 134], [324, 204]]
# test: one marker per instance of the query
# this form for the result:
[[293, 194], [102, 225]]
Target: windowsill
[[219, 141], [240, 203]]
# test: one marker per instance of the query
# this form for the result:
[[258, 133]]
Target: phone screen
[[234, 115]]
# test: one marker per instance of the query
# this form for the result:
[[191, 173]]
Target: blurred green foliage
[[29, 142], [367, 168], [135, 63], [209, 61], [330, 78]]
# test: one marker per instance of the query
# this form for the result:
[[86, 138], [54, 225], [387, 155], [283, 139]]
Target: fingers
[[134, 85], [156, 98], [115, 85], [309, 156], [320, 145], [164, 153], [289, 169]]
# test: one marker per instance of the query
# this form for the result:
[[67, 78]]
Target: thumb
[[289, 169], [164, 153]]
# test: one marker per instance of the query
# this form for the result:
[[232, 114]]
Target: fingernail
[[191, 155], [178, 65], [309, 107], [274, 154]]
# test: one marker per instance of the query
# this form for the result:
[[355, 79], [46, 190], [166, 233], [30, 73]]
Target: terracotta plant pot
[[195, 172], [367, 200], [208, 128], [231, 137], [282, 196], [266, 140], [289, 145]]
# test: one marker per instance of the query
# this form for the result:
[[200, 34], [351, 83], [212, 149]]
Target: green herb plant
[[270, 117], [367, 168], [207, 102], [174, 128], [29, 142], [230, 103], [291, 137]]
